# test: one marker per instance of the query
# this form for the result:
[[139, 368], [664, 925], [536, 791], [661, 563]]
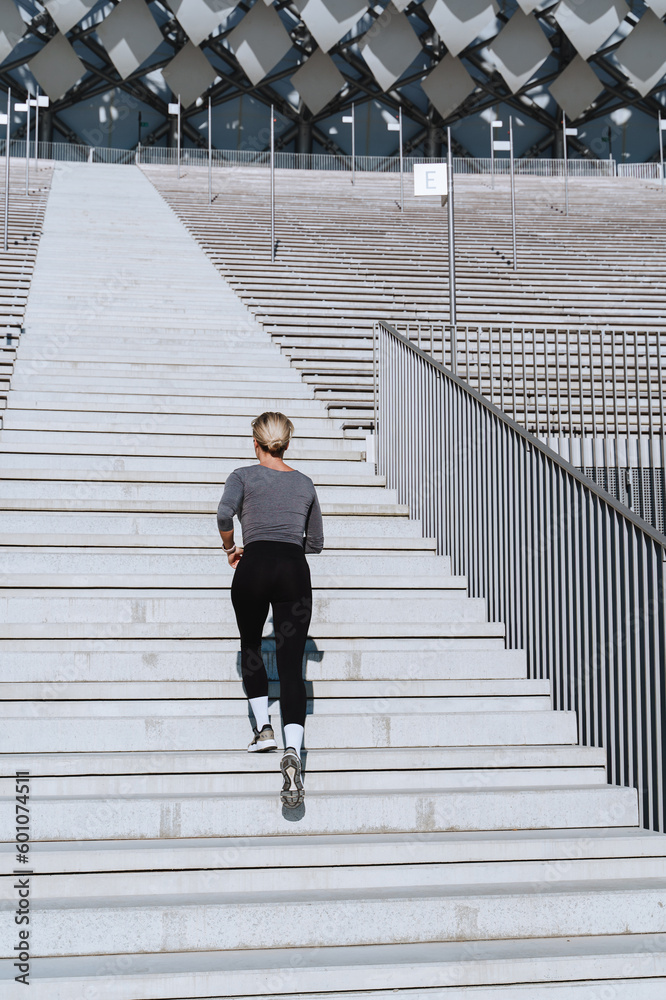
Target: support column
[[172, 133], [304, 138], [433, 144], [45, 125], [558, 139]]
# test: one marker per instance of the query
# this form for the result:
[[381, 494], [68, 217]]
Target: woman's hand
[[235, 556]]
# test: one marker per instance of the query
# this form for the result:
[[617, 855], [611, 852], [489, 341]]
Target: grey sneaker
[[263, 741], [292, 793]]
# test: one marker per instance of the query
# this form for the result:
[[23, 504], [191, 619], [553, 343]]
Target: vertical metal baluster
[[581, 397], [526, 416], [616, 401], [537, 411], [570, 398], [545, 366], [651, 452], [626, 399], [593, 401], [604, 404], [662, 449], [500, 340], [641, 489], [559, 392]]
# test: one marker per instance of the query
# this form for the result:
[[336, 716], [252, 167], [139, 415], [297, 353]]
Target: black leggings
[[274, 573]]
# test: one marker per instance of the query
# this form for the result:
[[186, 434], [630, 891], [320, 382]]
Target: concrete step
[[402, 811], [90, 421], [154, 606], [560, 851], [351, 917], [283, 389], [113, 403], [30, 491], [333, 509], [352, 763], [96, 356], [385, 694], [127, 461], [334, 542], [199, 581], [324, 879], [528, 969], [422, 570], [109, 473], [405, 702], [462, 630], [232, 731], [383, 527], [168, 433], [264, 782], [135, 445], [357, 659]]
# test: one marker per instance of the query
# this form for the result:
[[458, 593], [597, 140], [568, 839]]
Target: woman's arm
[[314, 528], [230, 504]]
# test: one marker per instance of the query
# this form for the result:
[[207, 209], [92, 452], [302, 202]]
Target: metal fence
[[577, 579], [596, 397], [640, 171], [166, 156]]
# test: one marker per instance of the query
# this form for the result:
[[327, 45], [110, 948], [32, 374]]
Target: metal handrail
[[596, 396], [576, 577]]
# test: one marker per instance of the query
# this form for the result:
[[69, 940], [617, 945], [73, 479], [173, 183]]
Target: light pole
[[513, 195], [397, 127], [272, 186], [662, 126], [452, 257], [493, 125], [437, 179], [351, 120], [6, 120], [506, 146], [210, 150], [565, 132], [174, 109]]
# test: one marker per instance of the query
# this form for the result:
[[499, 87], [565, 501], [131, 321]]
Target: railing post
[[513, 195], [7, 155], [452, 258]]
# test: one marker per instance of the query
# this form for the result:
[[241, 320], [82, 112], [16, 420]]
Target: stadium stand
[[567, 346], [351, 258], [455, 837], [25, 220]]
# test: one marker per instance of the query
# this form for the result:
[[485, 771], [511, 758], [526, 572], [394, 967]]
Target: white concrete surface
[[455, 842]]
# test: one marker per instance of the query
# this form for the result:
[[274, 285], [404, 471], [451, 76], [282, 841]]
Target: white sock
[[293, 736], [260, 708]]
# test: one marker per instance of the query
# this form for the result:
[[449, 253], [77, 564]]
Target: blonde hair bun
[[272, 432]]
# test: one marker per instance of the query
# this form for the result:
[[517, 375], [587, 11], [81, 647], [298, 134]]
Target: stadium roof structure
[[109, 64]]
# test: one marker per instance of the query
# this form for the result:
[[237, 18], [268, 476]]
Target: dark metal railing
[[577, 578], [596, 397]]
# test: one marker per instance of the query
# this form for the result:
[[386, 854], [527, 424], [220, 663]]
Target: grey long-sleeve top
[[272, 506]]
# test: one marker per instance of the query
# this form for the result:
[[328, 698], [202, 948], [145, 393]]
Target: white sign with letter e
[[430, 179]]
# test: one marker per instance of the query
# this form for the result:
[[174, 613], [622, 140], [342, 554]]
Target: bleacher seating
[[26, 216], [347, 257]]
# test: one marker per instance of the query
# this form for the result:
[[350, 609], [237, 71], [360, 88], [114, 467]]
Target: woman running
[[281, 520]]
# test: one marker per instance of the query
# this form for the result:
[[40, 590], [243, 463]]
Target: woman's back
[[272, 505]]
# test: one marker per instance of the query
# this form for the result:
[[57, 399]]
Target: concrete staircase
[[454, 839]]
